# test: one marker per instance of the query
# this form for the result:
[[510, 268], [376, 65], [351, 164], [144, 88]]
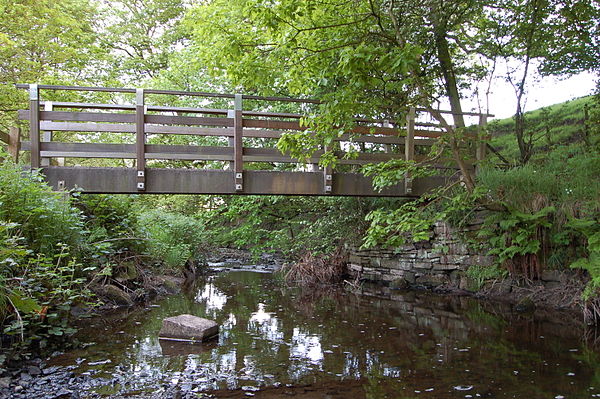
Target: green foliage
[[174, 239], [590, 229], [37, 291], [479, 274], [41, 238], [45, 218], [566, 176], [111, 226], [45, 41], [142, 35], [389, 173], [392, 228], [562, 175], [413, 220], [290, 226], [514, 233]]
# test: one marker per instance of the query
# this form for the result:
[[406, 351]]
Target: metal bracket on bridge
[[239, 178], [328, 180]]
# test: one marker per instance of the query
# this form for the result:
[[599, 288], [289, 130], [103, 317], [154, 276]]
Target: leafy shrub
[[290, 226], [37, 291], [111, 224], [479, 274], [591, 263], [173, 239], [45, 219], [517, 238]]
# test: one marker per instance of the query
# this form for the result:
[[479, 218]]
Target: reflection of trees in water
[[404, 341]]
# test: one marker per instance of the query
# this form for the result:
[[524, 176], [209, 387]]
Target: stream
[[277, 342]]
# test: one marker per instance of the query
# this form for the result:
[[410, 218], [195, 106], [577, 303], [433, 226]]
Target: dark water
[[414, 346]]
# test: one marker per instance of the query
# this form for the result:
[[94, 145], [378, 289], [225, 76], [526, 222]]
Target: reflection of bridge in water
[[210, 150]]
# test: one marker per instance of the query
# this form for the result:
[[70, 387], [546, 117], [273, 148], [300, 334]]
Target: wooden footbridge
[[241, 157]]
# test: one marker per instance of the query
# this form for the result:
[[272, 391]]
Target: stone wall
[[430, 264]]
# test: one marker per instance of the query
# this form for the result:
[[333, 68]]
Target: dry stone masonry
[[433, 263]]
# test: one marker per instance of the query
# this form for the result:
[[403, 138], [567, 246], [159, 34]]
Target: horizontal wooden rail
[[169, 92], [48, 121], [193, 153], [5, 138], [209, 95]]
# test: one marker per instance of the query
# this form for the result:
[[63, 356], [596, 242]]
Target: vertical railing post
[[231, 139], [34, 124], [140, 139], [238, 143], [14, 143], [46, 135], [481, 149], [409, 147], [387, 148]]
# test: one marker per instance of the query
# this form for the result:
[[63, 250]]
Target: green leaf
[[23, 304]]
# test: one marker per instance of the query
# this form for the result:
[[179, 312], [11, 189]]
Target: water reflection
[[393, 344], [213, 299]]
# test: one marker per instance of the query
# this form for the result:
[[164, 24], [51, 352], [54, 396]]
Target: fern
[[592, 263]]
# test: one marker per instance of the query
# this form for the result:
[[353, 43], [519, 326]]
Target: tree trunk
[[447, 68]]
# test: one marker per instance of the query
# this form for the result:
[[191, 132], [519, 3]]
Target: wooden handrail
[[211, 95], [385, 140], [12, 139], [5, 138]]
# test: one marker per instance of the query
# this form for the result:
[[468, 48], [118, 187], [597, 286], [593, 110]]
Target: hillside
[[551, 127]]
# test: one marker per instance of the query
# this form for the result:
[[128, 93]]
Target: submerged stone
[[114, 294], [187, 327]]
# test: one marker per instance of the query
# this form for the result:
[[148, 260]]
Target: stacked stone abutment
[[439, 261]]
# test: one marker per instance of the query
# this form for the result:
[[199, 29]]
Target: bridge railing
[[12, 140], [372, 140]]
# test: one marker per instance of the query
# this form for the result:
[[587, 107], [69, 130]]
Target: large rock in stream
[[187, 327]]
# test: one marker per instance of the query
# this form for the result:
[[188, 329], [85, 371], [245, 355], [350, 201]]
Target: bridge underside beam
[[196, 181]]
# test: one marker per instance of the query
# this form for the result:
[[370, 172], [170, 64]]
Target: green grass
[[552, 127]]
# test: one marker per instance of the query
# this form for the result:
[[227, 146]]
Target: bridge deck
[[193, 181], [211, 150]]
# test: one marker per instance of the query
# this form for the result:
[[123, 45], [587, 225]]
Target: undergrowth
[[53, 246], [313, 269]]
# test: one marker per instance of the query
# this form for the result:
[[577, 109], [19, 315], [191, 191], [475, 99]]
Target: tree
[[142, 35], [547, 37], [376, 57], [44, 41], [363, 58]]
